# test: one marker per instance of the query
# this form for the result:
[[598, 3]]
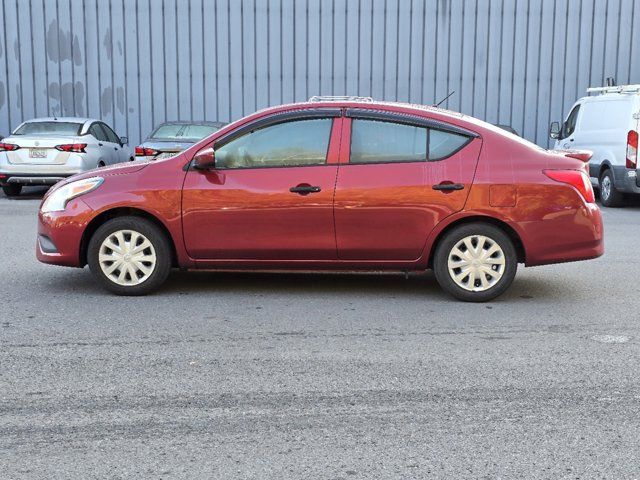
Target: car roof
[[456, 118], [192, 122], [62, 119], [609, 96]]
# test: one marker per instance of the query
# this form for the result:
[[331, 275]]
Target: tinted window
[[570, 125], [301, 142], [97, 131], [374, 141], [49, 128], [111, 135], [443, 144]]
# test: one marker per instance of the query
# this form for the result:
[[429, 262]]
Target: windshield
[[182, 131], [49, 128]]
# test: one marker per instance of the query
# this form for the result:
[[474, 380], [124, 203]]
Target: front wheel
[[12, 189], [129, 256], [475, 262]]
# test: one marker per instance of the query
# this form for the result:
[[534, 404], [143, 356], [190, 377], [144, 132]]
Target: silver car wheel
[[476, 263], [127, 257], [605, 187]]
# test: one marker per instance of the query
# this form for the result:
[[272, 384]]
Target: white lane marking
[[610, 338]]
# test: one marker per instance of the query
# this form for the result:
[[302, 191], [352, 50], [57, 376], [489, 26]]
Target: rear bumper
[[33, 179], [565, 237]]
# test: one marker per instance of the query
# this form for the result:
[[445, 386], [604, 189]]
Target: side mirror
[[554, 130], [124, 140], [205, 159]]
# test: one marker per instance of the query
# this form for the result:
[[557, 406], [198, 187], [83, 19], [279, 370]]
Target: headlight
[[58, 199]]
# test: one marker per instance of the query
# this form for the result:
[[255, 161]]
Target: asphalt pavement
[[301, 376]]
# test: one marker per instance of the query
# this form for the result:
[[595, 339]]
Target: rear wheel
[[12, 189], [475, 262], [609, 196], [129, 256]]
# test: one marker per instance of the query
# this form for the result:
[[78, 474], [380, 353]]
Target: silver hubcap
[[476, 263], [605, 188], [127, 257]]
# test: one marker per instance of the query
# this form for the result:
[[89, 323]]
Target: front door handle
[[304, 189], [447, 187]]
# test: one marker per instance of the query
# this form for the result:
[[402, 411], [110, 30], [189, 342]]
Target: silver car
[[170, 138], [43, 151]]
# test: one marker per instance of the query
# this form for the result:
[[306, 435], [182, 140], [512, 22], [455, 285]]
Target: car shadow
[[28, 193], [422, 286]]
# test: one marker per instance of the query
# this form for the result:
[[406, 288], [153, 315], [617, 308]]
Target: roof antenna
[[444, 99]]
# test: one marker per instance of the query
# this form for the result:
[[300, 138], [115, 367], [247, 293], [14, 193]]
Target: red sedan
[[331, 185]]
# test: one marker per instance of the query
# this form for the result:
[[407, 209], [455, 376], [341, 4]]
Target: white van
[[607, 124]]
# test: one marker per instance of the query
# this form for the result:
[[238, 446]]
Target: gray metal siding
[[137, 63]]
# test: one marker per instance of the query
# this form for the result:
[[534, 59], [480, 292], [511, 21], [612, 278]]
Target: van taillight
[[632, 149], [577, 179]]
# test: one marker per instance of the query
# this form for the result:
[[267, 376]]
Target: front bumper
[[59, 240]]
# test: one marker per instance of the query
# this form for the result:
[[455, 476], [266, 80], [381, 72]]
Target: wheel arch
[[605, 165], [502, 225], [110, 214]]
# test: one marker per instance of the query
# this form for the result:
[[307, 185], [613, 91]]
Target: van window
[[570, 125]]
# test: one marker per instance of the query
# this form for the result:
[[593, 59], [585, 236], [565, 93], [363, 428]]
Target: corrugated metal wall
[[135, 63]]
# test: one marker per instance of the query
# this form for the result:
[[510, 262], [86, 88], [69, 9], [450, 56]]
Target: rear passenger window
[[444, 144], [374, 141], [98, 133]]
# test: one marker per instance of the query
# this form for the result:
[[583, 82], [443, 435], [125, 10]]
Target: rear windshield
[[197, 132], [49, 128], [183, 131]]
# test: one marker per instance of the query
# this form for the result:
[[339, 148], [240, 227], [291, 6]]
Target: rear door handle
[[445, 187], [304, 189]]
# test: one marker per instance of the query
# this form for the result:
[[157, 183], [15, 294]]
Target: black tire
[[447, 243], [160, 244], [614, 198], [12, 189]]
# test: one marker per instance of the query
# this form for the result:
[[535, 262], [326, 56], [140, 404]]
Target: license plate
[[166, 155], [37, 153]]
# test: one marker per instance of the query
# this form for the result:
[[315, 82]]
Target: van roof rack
[[339, 98], [616, 89]]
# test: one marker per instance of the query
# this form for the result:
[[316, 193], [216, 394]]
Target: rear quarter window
[[444, 144]]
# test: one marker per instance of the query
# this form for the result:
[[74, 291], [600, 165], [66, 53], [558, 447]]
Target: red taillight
[[72, 147], [8, 147], [577, 179], [146, 152], [632, 149]]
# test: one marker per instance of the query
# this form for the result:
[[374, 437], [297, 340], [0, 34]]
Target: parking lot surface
[[259, 376]]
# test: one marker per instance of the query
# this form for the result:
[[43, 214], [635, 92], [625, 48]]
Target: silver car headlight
[[58, 199]]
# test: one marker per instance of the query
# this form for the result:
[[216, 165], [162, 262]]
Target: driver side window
[[570, 125], [289, 144]]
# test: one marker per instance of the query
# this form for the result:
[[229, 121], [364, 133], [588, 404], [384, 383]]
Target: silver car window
[[97, 131], [111, 135]]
